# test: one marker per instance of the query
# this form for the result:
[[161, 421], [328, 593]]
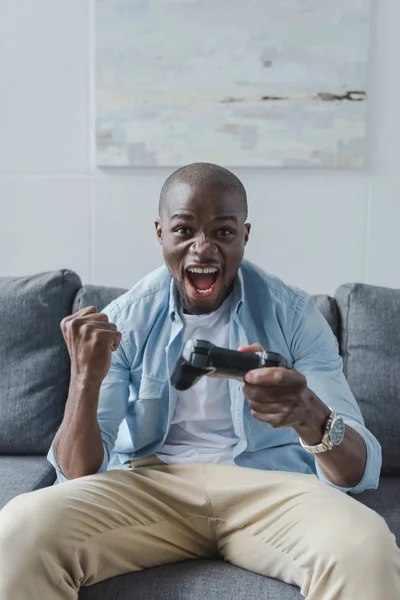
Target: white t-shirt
[[202, 427]]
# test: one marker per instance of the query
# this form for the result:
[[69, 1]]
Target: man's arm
[[356, 463], [345, 464], [78, 446], [98, 395], [300, 398]]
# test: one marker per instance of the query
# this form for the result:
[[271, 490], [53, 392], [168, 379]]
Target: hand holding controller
[[200, 357]]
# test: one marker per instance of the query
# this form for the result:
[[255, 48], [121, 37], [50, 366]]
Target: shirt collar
[[237, 297]]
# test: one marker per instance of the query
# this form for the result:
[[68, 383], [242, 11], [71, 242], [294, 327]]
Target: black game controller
[[200, 357]]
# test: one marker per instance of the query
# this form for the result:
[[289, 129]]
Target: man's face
[[203, 235]]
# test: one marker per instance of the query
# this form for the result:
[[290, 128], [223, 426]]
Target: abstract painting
[[243, 83]]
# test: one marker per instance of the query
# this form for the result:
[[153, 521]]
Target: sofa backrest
[[370, 343], [34, 361], [97, 296], [329, 309]]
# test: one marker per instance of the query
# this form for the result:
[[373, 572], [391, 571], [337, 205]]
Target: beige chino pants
[[286, 525]]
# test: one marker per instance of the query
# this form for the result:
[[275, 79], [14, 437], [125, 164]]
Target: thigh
[[111, 523], [290, 526]]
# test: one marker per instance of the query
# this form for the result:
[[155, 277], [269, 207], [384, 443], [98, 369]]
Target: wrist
[[83, 383], [311, 429]]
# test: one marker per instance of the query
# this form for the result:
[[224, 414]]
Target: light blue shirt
[[137, 402]]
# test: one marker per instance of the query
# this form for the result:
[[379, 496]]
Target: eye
[[225, 231], [183, 230]]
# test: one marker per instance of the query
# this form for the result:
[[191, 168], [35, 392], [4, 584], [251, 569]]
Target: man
[[252, 473]]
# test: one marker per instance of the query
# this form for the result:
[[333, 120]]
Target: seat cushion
[[370, 337], [34, 361], [20, 474], [328, 307], [96, 295], [192, 580], [386, 501]]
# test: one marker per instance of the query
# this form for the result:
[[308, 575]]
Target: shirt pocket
[[149, 412], [151, 387]]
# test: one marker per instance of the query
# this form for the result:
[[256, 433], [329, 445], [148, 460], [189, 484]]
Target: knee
[[366, 544], [356, 553], [28, 523], [371, 537], [28, 538]]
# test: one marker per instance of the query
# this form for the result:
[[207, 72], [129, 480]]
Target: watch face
[[337, 431]]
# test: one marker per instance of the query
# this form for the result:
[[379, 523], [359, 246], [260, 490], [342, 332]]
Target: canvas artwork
[[243, 83]]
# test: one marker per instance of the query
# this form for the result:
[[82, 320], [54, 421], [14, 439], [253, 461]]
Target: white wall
[[316, 229]]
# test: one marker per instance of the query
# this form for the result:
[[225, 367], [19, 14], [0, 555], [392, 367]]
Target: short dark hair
[[205, 175]]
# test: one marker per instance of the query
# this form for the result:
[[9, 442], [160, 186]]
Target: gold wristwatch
[[334, 432]]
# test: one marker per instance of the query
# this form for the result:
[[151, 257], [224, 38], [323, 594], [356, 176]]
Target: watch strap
[[326, 443]]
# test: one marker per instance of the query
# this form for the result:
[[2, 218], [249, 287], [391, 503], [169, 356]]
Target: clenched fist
[[91, 339]]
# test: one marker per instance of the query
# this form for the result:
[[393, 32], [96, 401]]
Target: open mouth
[[202, 281]]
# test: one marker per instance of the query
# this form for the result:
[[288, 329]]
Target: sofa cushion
[[191, 580], [370, 336], [34, 361], [328, 307], [96, 295], [20, 474]]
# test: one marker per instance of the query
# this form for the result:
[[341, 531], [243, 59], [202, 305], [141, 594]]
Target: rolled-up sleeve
[[113, 399], [316, 355]]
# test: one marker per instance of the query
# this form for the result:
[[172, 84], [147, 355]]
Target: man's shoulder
[[259, 282], [148, 294]]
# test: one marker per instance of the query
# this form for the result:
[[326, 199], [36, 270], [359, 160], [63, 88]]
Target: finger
[[266, 376], [93, 316], [117, 341], [252, 348], [87, 312], [273, 407], [111, 339], [275, 376], [274, 420], [80, 313], [97, 325], [89, 332], [258, 393], [85, 325], [263, 395], [92, 331]]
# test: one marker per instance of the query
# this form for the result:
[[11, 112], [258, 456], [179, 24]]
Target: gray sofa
[[34, 375]]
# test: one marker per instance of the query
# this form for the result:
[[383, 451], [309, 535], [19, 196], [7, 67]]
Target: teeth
[[206, 270], [205, 291]]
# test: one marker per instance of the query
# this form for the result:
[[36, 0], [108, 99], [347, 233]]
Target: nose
[[203, 247]]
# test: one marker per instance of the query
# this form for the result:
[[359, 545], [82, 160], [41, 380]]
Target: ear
[[247, 228], [158, 226]]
